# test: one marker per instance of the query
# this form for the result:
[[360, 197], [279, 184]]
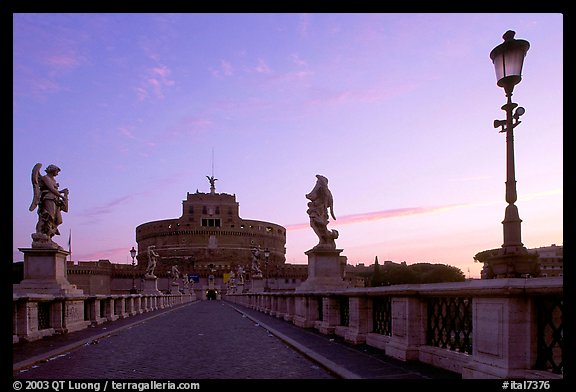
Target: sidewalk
[[343, 359]]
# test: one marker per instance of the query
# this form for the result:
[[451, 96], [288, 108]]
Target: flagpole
[[70, 244]]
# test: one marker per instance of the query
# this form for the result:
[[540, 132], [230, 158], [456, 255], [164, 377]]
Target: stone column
[[306, 311], [330, 315], [360, 320], [408, 328], [504, 338], [290, 309]]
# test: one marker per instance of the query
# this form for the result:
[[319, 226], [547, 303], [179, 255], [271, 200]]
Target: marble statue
[[152, 260], [240, 274], [175, 273], [51, 202], [256, 271], [320, 203]]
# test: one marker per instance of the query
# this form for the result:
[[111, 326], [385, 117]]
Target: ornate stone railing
[[35, 316], [497, 328]]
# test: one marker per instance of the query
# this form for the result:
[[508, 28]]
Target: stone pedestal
[[45, 272], [239, 288], [257, 285], [325, 270], [151, 285], [174, 288]]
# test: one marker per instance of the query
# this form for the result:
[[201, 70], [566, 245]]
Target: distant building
[[550, 260]]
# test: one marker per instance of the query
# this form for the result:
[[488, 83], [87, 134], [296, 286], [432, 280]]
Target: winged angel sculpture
[[50, 202]]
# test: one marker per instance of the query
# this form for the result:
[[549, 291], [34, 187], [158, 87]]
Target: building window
[[211, 222]]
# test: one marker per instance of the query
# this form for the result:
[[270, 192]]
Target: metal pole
[[512, 221]]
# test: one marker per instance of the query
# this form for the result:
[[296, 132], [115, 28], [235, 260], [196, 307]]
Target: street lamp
[[508, 58], [266, 257], [133, 290]]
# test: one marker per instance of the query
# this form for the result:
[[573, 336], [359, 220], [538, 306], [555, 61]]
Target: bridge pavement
[[206, 340]]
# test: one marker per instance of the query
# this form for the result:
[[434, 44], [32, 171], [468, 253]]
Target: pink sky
[[396, 110]]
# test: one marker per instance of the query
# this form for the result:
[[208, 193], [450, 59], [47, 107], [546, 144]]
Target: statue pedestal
[[45, 272], [174, 288], [325, 270], [257, 284], [150, 286], [239, 288]]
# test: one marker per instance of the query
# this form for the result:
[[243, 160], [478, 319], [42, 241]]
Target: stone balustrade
[[497, 328], [39, 315]]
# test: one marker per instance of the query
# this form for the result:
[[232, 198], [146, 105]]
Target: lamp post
[[133, 290], [266, 258], [513, 259]]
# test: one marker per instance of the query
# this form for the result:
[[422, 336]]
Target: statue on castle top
[[50, 202], [320, 203], [212, 181]]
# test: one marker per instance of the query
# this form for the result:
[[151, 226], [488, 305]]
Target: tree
[[376, 279], [393, 273]]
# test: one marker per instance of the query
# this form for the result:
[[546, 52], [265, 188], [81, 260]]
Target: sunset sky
[[396, 110]]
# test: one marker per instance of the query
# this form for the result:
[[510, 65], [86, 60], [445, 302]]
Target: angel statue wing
[[35, 186]]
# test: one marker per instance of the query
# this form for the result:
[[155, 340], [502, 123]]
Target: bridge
[[499, 329]]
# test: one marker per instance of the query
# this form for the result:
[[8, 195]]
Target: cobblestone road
[[203, 340]]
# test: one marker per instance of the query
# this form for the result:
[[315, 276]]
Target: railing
[[550, 333], [382, 316], [450, 323], [497, 328], [36, 316]]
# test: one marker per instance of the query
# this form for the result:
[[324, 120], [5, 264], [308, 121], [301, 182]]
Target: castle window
[[268, 229], [217, 210], [204, 211], [211, 222]]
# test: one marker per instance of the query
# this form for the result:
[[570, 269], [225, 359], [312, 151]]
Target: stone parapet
[[490, 328]]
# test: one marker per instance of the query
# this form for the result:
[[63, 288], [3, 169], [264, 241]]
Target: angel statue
[[212, 181], [175, 273], [152, 261], [320, 202], [256, 272], [50, 202]]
